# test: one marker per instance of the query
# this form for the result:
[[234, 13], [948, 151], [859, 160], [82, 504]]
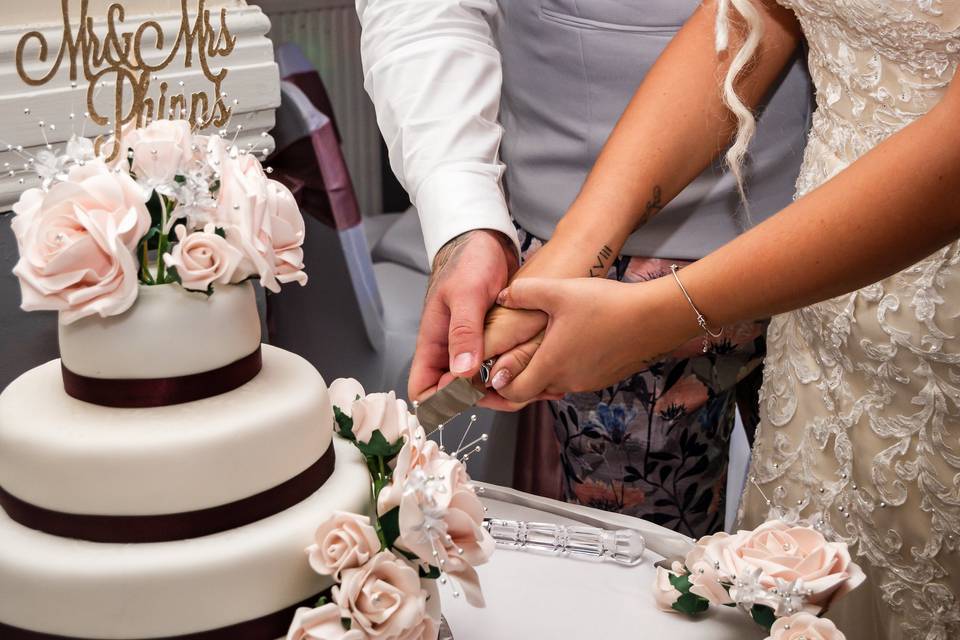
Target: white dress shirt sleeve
[[434, 75]]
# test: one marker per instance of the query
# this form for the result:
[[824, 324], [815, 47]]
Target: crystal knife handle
[[622, 546]]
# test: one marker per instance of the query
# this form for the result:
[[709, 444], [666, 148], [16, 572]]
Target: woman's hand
[[512, 335], [598, 332]]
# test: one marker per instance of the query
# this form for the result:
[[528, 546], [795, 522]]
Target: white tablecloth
[[537, 597]]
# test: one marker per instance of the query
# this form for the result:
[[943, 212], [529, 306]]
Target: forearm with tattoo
[[606, 255], [604, 260], [654, 205]]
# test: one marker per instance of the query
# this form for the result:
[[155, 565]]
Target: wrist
[[571, 254], [496, 240], [665, 300]]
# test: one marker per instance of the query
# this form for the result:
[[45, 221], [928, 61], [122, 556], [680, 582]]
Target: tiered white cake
[[137, 475]]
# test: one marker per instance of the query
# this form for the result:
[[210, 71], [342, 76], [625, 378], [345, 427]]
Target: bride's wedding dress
[[861, 399]]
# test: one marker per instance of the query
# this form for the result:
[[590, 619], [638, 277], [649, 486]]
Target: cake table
[[541, 597]]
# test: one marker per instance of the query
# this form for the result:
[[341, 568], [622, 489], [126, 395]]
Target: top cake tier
[[169, 332]]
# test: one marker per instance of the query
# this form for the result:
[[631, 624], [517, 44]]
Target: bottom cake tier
[[58, 587]]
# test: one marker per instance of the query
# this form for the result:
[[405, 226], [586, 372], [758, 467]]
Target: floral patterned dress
[[656, 445]]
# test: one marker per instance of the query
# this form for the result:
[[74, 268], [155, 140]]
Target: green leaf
[[173, 276], [151, 234], [220, 231], [155, 207], [346, 622], [344, 424], [390, 525], [681, 583], [432, 574], [180, 179], [763, 616], [379, 447], [322, 601], [691, 604]]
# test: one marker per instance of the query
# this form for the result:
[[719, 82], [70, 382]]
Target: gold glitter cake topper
[[117, 58]]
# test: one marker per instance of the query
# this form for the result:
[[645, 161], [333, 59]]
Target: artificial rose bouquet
[[783, 575], [428, 528], [176, 207]]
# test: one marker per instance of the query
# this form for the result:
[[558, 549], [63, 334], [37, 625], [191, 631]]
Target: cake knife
[[455, 398]]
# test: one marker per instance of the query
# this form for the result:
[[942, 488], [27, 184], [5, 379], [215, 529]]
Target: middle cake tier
[[64, 455]]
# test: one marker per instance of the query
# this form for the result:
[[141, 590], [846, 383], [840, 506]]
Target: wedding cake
[[169, 477], [167, 521], [164, 477]]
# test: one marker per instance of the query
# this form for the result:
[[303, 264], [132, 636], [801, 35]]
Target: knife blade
[[452, 400]]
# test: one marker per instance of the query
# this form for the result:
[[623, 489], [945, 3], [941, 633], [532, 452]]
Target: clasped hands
[[549, 335]]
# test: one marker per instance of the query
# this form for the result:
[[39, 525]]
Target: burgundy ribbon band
[[176, 526], [160, 392], [269, 627]]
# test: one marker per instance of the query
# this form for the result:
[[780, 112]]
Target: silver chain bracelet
[[701, 320]]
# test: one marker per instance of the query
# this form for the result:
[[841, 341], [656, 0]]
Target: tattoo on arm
[[604, 258], [653, 206], [448, 256]]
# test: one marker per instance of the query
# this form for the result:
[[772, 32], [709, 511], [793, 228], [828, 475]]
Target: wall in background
[[329, 33]]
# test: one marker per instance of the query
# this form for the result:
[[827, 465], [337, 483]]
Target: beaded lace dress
[[860, 429]]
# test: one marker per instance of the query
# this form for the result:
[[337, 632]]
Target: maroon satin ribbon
[[176, 526], [269, 627], [160, 392]]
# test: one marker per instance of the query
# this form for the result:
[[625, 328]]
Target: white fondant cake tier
[[89, 590], [67, 455], [168, 332]]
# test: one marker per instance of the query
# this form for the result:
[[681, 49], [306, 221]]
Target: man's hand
[[468, 273]]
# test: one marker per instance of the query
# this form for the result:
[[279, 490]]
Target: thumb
[[465, 338], [531, 293]]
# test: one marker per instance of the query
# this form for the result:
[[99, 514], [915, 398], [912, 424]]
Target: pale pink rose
[[161, 151], [664, 593], [117, 148], [787, 553], [379, 412], [344, 392], [805, 626], [242, 212], [439, 512], [261, 217], [26, 209], [77, 244], [705, 579], [344, 541], [417, 453], [203, 258], [287, 232], [322, 623], [383, 599]]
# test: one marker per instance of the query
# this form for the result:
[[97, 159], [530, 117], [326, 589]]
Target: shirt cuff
[[453, 202]]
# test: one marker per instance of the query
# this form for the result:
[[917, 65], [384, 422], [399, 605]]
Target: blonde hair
[[746, 122]]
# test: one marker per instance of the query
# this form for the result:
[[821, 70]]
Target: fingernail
[[462, 363], [501, 380], [502, 297]]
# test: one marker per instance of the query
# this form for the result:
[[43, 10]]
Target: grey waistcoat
[[570, 68]]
